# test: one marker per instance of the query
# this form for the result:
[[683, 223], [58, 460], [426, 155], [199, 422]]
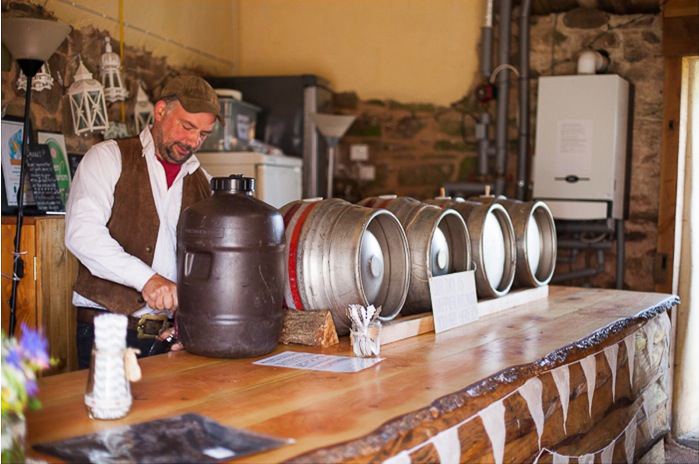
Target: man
[[122, 213]]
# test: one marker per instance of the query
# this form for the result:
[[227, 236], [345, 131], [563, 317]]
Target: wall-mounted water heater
[[581, 146]]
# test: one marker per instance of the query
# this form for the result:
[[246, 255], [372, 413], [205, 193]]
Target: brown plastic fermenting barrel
[[231, 271], [341, 254], [438, 240]]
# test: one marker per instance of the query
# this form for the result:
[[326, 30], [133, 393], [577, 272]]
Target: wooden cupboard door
[[56, 270], [26, 308]]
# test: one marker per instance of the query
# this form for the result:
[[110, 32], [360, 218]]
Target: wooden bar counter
[[489, 391]]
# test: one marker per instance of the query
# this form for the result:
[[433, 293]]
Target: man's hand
[[160, 293]]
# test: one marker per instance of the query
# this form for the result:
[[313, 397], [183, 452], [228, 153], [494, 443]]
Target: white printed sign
[[318, 362], [454, 300]]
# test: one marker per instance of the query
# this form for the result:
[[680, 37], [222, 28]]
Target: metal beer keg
[[341, 254], [492, 244], [438, 240]]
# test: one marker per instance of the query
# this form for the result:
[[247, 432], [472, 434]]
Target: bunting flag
[[401, 458], [607, 454], [630, 343], [610, 353], [561, 377], [589, 367], [649, 330], [448, 446], [648, 413], [531, 392], [493, 418], [630, 441]]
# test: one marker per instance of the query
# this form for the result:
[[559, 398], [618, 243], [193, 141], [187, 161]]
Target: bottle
[[108, 392], [231, 270]]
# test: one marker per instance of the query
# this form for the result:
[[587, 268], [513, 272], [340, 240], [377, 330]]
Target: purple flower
[[34, 346]]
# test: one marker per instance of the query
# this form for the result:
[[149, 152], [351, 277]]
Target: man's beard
[[173, 156], [168, 152]]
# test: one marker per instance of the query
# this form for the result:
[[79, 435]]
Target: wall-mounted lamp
[[143, 112], [110, 74], [31, 42], [87, 104]]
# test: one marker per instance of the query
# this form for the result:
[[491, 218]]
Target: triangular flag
[[587, 459], [607, 454], [648, 412], [493, 418], [630, 441], [649, 330], [561, 377], [589, 367], [448, 446], [611, 353], [560, 459], [630, 342], [531, 392], [401, 458]]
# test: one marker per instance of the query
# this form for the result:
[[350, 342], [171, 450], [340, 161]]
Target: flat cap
[[195, 95]]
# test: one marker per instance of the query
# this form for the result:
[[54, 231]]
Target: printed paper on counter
[[318, 362], [454, 300]]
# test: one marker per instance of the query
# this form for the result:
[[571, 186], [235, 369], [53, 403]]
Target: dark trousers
[[86, 338]]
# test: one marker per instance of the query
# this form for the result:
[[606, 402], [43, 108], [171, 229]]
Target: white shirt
[[89, 208]]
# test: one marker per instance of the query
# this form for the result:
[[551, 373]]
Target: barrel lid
[[233, 183]]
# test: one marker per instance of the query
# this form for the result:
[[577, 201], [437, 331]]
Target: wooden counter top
[[356, 414]]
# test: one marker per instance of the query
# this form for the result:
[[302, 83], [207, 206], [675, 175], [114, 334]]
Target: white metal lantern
[[87, 104], [41, 81], [143, 111], [110, 74]]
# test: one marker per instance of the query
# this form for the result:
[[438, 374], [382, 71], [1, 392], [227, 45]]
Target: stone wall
[[417, 147]]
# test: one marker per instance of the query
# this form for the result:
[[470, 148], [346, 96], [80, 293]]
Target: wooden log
[[310, 328]]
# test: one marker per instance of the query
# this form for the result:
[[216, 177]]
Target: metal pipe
[[483, 151], [580, 245], [582, 273], [487, 40], [577, 226], [568, 259], [486, 69], [522, 188], [503, 89], [620, 254]]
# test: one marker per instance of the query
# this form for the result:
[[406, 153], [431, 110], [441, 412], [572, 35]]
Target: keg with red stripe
[[438, 240], [341, 254], [492, 243]]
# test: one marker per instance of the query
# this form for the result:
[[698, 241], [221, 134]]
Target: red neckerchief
[[171, 171]]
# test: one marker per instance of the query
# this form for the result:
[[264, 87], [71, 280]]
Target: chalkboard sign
[[42, 176]]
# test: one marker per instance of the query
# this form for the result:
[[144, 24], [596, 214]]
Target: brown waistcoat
[[134, 224]]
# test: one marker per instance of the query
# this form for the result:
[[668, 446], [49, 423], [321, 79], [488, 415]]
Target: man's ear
[[160, 109]]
